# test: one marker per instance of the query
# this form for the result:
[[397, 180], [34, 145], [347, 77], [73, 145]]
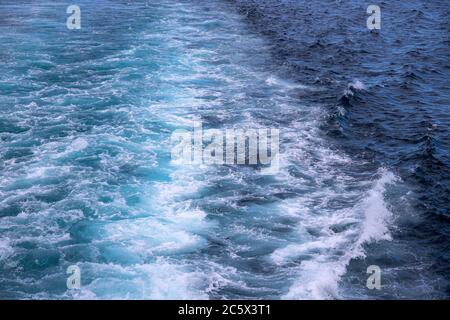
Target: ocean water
[[86, 176]]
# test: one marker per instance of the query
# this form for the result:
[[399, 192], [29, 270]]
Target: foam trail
[[319, 277], [87, 179]]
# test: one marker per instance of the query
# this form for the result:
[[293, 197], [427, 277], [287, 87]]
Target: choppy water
[[85, 167]]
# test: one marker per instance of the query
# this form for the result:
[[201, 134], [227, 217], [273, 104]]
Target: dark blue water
[[87, 178]]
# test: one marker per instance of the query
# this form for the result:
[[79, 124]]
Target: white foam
[[148, 237], [6, 249], [322, 266], [159, 280], [275, 81], [357, 84], [79, 144], [377, 215]]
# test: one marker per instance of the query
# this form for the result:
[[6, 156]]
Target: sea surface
[[86, 176]]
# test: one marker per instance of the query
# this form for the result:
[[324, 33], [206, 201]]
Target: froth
[[322, 261]]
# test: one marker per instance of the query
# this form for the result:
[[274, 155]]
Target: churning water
[[85, 150]]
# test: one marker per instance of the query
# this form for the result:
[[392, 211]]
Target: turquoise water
[[86, 176]]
